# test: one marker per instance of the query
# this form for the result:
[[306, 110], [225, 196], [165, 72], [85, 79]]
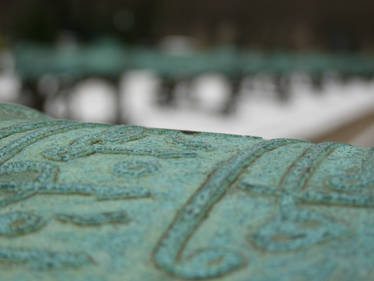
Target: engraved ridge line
[[168, 254], [287, 230], [10, 150]]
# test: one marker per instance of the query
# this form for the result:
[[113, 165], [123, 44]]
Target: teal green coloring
[[95, 202]]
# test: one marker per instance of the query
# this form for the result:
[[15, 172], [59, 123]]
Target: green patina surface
[[105, 203], [110, 58]]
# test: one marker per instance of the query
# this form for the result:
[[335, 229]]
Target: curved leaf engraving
[[105, 141], [18, 223], [43, 259], [189, 143], [357, 182], [294, 228], [94, 219], [28, 126], [10, 150], [45, 183], [135, 168], [302, 169], [207, 263]]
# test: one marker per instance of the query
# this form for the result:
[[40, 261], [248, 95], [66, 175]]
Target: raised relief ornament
[[97, 202]]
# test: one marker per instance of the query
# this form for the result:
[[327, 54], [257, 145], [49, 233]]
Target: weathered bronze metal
[[98, 202]]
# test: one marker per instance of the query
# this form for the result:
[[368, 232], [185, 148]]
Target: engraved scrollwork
[[355, 182], [46, 183], [24, 179], [18, 223], [94, 219], [294, 228], [43, 259], [209, 262], [10, 150], [109, 142], [28, 126], [188, 143], [135, 168]]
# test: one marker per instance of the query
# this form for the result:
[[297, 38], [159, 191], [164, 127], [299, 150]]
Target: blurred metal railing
[[109, 59]]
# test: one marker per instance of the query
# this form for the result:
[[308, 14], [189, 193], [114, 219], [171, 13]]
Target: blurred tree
[[287, 24]]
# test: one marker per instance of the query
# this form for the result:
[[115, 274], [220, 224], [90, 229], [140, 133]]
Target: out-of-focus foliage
[[264, 24]]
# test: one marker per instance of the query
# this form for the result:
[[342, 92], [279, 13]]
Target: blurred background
[[297, 69]]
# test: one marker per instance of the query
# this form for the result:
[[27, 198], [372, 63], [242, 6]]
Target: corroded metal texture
[[98, 202]]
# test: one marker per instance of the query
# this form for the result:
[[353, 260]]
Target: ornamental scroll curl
[[292, 228], [112, 140], [207, 263]]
